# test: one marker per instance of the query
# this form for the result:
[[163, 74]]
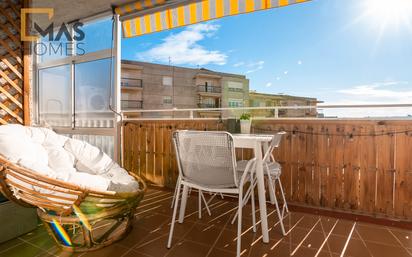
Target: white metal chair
[[200, 196], [207, 162], [272, 170]]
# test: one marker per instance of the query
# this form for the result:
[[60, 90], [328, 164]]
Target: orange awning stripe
[[187, 13]]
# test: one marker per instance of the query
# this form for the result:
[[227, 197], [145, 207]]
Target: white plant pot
[[245, 126]]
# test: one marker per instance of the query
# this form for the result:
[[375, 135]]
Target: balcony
[[131, 104], [307, 234], [209, 89], [128, 83], [347, 183], [208, 105], [209, 111], [343, 166], [339, 177], [355, 166]]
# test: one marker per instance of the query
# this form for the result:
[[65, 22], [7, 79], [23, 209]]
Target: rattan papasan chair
[[85, 200]]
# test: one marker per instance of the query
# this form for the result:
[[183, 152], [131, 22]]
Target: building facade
[[270, 100], [155, 86], [152, 86]]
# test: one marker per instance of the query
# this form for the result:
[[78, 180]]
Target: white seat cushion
[[273, 167], [63, 158]]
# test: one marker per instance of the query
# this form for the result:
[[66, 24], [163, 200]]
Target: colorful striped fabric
[[188, 13], [138, 6]]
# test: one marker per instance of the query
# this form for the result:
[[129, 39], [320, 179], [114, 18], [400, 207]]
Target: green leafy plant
[[245, 116]]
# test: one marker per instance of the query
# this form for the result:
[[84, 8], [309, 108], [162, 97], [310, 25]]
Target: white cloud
[[286, 72], [388, 92], [300, 62], [269, 84], [255, 66], [238, 64], [277, 78], [184, 47], [376, 91]]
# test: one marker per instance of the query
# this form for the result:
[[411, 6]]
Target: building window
[[235, 103], [235, 86], [55, 96], [167, 81], [66, 89], [208, 103], [167, 99], [98, 29], [101, 30], [92, 93], [209, 86], [131, 83], [209, 83]]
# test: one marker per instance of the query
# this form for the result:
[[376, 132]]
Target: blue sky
[[340, 52]]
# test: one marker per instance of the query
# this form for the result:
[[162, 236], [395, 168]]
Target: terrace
[[308, 234], [347, 181]]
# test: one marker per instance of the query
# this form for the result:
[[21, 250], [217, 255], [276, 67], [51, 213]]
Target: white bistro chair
[[272, 171], [207, 162]]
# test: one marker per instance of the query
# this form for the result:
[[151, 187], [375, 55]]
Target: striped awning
[[175, 14]]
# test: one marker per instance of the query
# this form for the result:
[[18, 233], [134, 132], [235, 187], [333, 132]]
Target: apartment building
[[268, 100], [155, 86]]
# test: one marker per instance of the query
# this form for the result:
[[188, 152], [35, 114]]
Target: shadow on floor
[[214, 236]]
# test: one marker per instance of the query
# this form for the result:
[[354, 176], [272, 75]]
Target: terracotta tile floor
[[213, 236]]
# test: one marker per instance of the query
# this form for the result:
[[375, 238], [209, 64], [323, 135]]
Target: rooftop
[[198, 70], [282, 96]]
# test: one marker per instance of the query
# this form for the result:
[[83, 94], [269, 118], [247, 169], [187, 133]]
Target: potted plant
[[245, 123]]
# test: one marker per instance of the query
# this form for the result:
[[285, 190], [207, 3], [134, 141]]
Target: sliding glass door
[[76, 88]]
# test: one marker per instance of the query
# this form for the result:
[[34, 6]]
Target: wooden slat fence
[[148, 149], [11, 64], [357, 166], [362, 167]]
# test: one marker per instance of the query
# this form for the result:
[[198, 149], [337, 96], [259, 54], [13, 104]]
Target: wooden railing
[[357, 166]]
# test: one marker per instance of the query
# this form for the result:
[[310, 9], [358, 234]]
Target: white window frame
[[167, 97], [235, 84], [239, 102], [168, 80], [115, 52], [72, 61]]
